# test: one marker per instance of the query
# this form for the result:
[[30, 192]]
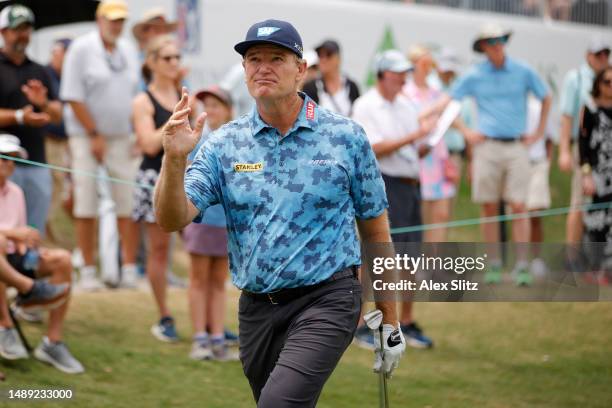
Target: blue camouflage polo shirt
[[290, 202]]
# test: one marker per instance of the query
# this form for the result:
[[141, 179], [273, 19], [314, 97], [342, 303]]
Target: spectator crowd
[[99, 106]]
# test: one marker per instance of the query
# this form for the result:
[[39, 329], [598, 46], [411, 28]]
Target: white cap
[[391, 60], [311, 57], [448, 61], [598, 44], [11, 144]]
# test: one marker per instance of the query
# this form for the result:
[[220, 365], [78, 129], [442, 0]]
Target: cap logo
[[266, 31], [20, 11], [298, 47]]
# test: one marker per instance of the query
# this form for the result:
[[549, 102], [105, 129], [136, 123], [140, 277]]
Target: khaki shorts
[[538, 196], [118, 163], [500, 170], [576, 197]]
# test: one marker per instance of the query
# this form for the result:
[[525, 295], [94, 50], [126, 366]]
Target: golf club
[[374, 320]]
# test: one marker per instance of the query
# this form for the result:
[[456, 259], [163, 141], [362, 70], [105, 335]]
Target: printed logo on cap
[[266, 31]]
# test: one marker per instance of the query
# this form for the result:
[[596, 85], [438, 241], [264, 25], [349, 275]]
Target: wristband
[[19, 116]]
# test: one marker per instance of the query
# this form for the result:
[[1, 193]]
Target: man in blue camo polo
[[292, 178]]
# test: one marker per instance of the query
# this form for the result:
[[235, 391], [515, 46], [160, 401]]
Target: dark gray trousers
[[288, 351]]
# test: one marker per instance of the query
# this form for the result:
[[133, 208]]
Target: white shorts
[[538, 195], [118, 162]]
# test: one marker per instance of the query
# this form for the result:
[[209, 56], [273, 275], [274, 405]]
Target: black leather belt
[[505, 140], [286, 295]]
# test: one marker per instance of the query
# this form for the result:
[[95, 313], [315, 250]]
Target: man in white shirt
[[391, 123], [100, 79]]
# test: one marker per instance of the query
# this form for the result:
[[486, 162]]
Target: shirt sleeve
[[367, 186], [202, 185], [462, 87], [536, 84], [569, 94], [72, 87], [361, 115]]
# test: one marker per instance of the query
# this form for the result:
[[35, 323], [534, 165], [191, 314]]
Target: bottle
[[31, 259]]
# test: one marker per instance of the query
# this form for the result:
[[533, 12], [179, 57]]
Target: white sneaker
[[538, 268], [200, 351], [88, 281], [129, 276], [11, 347], [77, 259]]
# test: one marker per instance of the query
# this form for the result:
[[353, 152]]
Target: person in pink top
[[435, 168]]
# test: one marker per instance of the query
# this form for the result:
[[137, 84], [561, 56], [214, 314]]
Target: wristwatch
[[19, 116], [586, 169]]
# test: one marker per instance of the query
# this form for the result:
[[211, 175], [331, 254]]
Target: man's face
[[599, 60], [393, 82], [494, 49], [16, 40], [110, 30], [329, 61], [272, 72]]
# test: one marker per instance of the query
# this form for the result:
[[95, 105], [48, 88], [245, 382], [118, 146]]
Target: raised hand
[[178, 138], [36, 93]]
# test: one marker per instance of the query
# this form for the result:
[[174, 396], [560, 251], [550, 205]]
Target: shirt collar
[[587, 71], [492, 68], [4, 58], [308, 117]]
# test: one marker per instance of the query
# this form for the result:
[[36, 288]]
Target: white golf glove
[[394, 346]]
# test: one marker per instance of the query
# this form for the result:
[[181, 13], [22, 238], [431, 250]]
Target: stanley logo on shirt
[[244, 167]]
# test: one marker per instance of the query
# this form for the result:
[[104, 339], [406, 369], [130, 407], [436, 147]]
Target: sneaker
[[538, 268], [27, 316], [221, 351], [200, 351], [364, 338], [43, 296], [129, 276], [58, 355], [231, 338], [88, 281], [11, 347], [522, 277], [165, 330], [493, 275], [415, 337]]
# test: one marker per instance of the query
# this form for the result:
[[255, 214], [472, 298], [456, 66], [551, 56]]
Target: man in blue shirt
[[292, 178], [500, 167]]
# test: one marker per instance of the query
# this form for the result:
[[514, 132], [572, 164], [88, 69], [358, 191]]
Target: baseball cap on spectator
[[275, 32], [331, 46], [448, 61], [489, 32], [112, 9], [153, 17], [216, 91], [391, 60], [15, 15], [10, 144], [597, 45], [311, 57]]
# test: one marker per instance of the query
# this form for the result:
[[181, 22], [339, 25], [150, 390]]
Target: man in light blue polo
[[500, 167], [292, 178], [576, 91]]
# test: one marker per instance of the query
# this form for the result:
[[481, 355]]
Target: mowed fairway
[[486, 355]]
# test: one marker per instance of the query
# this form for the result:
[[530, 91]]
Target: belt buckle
[[271, 298]]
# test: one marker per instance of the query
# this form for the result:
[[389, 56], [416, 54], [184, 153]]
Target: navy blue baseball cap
[[274, 32]]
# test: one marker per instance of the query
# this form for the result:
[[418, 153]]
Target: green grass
[[486, 355]]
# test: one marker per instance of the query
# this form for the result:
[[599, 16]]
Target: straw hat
[[153, 17]]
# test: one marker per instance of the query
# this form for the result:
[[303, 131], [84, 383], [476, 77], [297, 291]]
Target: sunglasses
[[497, 40], [169, 58], [602, 53], [607, 81]]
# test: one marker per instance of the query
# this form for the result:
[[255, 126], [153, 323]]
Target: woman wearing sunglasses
[[595, 157], [152, 109]]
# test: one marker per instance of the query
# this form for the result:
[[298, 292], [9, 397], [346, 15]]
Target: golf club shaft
[[385, 396]]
